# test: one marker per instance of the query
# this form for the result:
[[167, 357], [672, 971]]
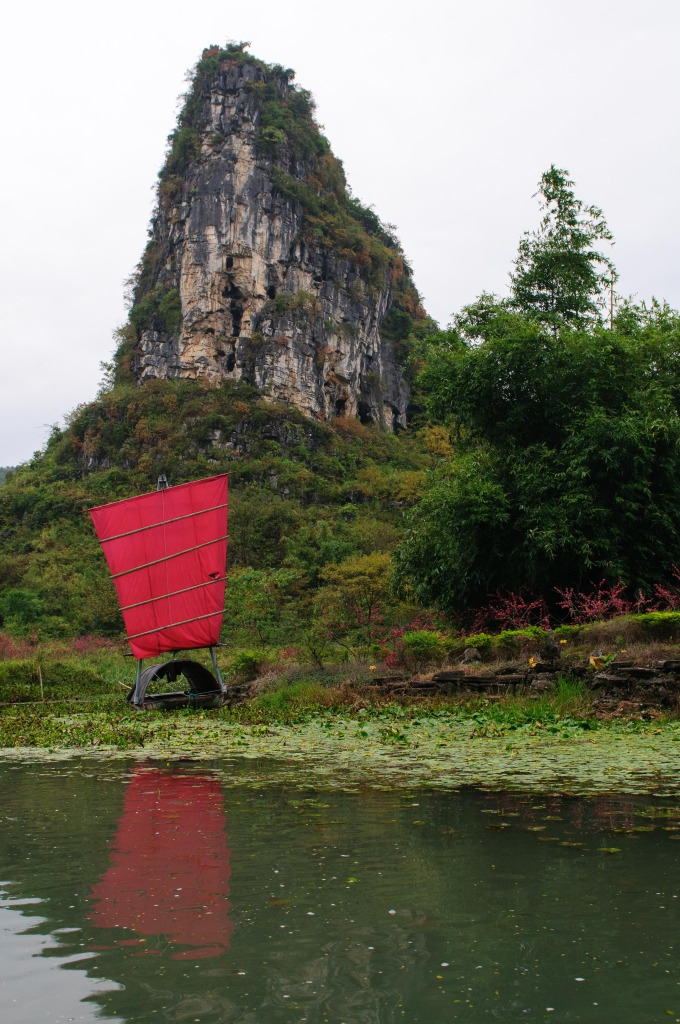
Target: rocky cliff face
[[261, 266]]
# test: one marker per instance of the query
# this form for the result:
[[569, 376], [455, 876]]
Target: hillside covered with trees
[[541, 466]]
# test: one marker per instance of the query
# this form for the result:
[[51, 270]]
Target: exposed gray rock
[[550, 651], [259, 300], [543, 682]]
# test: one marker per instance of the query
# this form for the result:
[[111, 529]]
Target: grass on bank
[[96, 716], [57, 698]]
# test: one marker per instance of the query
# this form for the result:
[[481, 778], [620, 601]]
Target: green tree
[[355, 588], [316, 544], [20, 607], [567, 434], [256, 602], [258, 523], [560, 275], [568, 461]]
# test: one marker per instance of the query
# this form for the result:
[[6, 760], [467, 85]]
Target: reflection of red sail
[[169, 873], [167, 552]]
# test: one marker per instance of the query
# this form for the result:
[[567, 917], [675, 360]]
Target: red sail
[[167, 552]]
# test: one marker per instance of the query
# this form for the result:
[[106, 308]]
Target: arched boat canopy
[[202, 683], [167, 552]]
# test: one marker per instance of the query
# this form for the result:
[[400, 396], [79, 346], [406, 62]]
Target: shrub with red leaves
[[668, 595], [290, 653], [601, 603], [16, 648], [90, 644], [510, 611]]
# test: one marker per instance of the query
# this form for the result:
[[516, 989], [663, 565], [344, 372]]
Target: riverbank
[[479, 743], [570, 728]]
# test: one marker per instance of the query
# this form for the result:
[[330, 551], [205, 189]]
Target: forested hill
[[540, 472], [303, 494]]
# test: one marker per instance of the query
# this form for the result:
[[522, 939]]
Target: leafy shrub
[[601, 603], [269, 140], [246, 665], [90, 644], [72, 674], [20, 679], [355, 589], [13, 648], [424, 647], [668, 594], [19, 672], [567, 632], [318, 648], [658, 625], [482, 641], [20, 606], [162, 307], [510, 642]]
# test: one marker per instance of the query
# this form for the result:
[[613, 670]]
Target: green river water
[[193, 892]]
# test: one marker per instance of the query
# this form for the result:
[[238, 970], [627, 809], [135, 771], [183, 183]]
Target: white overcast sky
[[444, 113]]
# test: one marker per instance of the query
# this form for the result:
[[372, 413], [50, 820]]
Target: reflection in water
[[169, 872], [362, 907]]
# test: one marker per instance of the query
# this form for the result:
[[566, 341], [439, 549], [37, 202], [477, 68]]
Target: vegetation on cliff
[[304, 495], [303, 169]]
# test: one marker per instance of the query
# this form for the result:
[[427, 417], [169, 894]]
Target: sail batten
[[184, 590], [166, 558], [150, 526], [167, 552], [173, 625]]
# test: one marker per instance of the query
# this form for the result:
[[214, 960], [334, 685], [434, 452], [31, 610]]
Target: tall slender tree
[[561, 277]]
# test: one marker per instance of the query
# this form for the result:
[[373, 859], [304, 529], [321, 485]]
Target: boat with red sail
[[167, 552]]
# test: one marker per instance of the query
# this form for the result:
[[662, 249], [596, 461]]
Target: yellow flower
[[563, 641], [371, 667], [533, 662]]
